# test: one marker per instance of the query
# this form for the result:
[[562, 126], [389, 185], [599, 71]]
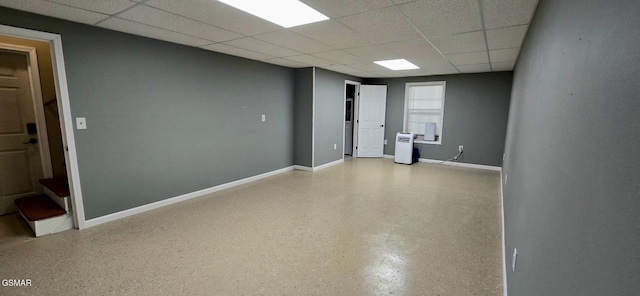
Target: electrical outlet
[[335, 146], [515, 257], [460, 148], [264, 118], [385, 141]]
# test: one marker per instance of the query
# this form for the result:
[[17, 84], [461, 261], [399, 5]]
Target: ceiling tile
[[342, 69], [286, 63], [292, 40], [55, 10], [503, 66], [334, 9], [478, 68], [506, 37], [503, 55], [469, 58], [382, 25], [310, 60], [372, 53], [332, 33], [127, 26], [386, 73], [217, 14], [507, 13], [158, 18], [223, 48], [104, 6], [444, 17], [338, 57], [260, 46], [365, 74], [459, 43], [367, 67], [409, 73], [416, 50], [443, 70]]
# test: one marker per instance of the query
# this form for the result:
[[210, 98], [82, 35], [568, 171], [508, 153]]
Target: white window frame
[[420, 138]]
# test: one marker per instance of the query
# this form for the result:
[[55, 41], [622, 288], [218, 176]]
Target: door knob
[[382, 125], [31, 141]]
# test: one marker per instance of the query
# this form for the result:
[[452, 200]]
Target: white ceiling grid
[[440, 36]]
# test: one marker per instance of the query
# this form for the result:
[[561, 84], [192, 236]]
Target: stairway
[[49, 213]]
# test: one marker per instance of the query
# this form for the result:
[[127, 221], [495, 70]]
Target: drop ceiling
[[440, 36]]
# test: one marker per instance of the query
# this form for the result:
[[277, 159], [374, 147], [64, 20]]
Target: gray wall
[[303, 114], [475, 116], [329, 115], [572, 198], [166, 119]]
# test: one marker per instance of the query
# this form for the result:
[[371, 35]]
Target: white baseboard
[[326, 165], [462, 164], [388, 156], [310, 169], [504, 246], [303, 168], [172, 200]]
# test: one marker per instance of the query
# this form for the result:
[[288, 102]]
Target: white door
[[20, 161], [371, 113]]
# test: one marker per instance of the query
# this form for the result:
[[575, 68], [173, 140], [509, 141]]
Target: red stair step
[[38, 207], [58, 185]]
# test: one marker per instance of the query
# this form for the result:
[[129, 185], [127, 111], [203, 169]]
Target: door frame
[[64, 108], [356, 100], [38, 105]]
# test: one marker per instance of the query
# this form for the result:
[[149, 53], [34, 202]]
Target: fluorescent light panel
[[399, 64], [286, 13]]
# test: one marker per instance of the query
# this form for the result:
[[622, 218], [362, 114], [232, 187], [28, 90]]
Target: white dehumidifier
[[404, 148]]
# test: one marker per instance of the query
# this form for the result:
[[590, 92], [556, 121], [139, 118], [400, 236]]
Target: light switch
[[263, 118], [81, 123]]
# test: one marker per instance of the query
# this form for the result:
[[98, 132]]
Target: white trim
[[344, 113], [302, 168], [38, 104], [313, 118], [462, 164], [64, 107], [187, 196], [326, 165], [388, 156], [504, 246]]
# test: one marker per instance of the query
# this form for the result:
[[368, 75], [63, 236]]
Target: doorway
[[24, 145], [62, 106], [350, 115]]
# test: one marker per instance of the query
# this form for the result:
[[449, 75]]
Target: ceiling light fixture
[[286, 13], [396, 65]]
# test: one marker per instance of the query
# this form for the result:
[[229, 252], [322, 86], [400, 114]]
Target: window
[[424, 103]]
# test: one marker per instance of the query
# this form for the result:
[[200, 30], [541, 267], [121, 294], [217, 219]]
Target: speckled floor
[[365, 227]]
